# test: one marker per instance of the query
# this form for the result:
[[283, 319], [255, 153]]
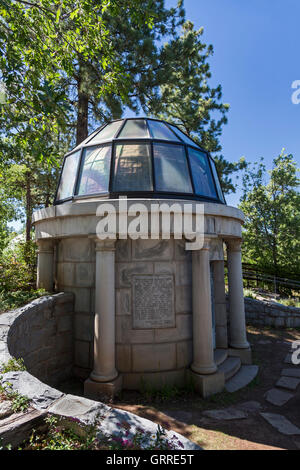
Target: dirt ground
[[183, 413]]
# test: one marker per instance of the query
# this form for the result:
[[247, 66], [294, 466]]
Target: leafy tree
[[26, 182], [272, 227], [187, 99], [226, 170], [18, 268], [70, 60], [7, 213], [67, 65]]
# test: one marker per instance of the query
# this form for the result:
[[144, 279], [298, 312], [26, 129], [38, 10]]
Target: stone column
[[203, 360], [220, 304], [104, 378], [237, 322], [204, 374], [45, 264]]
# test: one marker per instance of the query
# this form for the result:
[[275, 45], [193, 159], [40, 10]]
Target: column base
[[103, 378], [244, 354], [207, 385], [204, 370], [102, 390], [244, 345]]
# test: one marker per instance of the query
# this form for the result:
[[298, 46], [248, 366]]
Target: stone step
[[220, 355], [230, 367], [242, 378]]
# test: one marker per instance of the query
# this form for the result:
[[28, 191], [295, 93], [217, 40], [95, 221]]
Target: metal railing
[[253, 274]]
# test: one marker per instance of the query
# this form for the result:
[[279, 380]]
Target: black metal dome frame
[[155, 194]]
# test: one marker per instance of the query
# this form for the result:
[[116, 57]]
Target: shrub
[[18, 267], [60, 437], [14, 299]]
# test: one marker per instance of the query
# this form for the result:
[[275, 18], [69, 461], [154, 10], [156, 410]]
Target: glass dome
[[139, 157]]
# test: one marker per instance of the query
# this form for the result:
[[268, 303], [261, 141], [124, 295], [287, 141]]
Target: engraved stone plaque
[[153, 301]]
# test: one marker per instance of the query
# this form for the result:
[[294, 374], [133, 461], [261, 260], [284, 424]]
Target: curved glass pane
[[159, 130], [85, 141], [134, 128], [133, 170], [107, 133], [217, 180], [171, 168], [95, 170], [203, 180], [183, 136], [68, 176]]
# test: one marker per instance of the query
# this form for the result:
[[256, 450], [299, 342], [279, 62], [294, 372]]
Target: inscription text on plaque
[[153, 301]]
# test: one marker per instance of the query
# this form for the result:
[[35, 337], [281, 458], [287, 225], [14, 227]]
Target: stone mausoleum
[[147, 311]]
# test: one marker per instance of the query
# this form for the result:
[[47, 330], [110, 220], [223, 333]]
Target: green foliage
[[290, 302], [59, 437], [7, 213], [12, 365], [165, 393], [64, 62], [225, 171], [10, 300], [186, 97], [62, 437], [249, 294], [19, 403], [18, 275], [272, 210], [67, 65], [18, 269]]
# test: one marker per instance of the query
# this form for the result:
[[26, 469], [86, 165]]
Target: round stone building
[[148, 311]]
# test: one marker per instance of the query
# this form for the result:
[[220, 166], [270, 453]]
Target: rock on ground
[[291, 372], [249, 406], [226, 414], [291, 383], [281, 423], [5, 409], [40, 394], [278, 397]]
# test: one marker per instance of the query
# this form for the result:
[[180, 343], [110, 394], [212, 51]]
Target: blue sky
[[255, 59]]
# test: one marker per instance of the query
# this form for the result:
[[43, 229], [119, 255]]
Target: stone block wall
[[150, 350], [76, 274], [41, 333], [153, 354], [271, 314]]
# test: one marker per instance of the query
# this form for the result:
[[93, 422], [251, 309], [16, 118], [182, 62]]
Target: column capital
[[234, 244], [206, 244], [104, 245], [45, 245]]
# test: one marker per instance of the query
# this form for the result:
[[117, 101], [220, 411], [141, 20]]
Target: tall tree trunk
[[82, 110], [28, 208]]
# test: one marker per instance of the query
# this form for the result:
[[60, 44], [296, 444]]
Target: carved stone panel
[[153, 301]]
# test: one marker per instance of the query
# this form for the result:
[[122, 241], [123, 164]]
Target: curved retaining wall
[[41, 333], [271, 314]]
